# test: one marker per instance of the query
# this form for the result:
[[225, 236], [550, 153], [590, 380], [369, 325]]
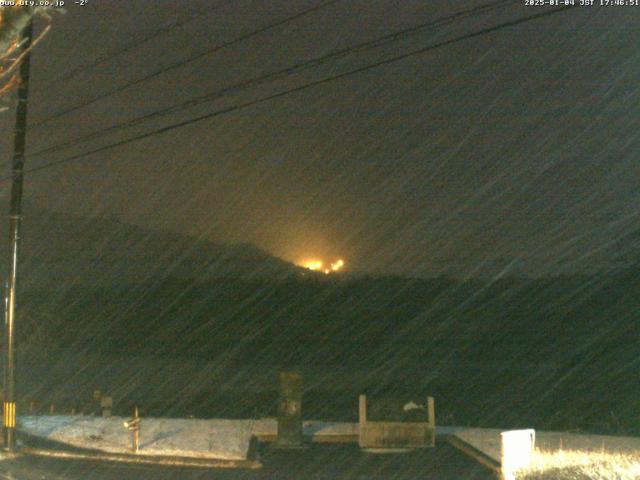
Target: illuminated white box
[[516, 451]]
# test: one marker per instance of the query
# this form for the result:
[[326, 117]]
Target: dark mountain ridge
[[59, 252], [204, 318]]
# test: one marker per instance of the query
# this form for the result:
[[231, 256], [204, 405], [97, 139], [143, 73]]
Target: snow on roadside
[[215, 438], [219, 439]]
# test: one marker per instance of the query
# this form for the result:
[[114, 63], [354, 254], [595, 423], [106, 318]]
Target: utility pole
[[15, 217]]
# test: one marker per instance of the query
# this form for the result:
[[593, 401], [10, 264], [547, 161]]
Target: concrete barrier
[[394, 432]]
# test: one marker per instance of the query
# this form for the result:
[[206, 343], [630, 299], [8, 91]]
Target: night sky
[[514, 152]]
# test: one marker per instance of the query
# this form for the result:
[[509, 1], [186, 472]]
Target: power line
[[378, 42], [184, 62], [133, 44], [323, 81]]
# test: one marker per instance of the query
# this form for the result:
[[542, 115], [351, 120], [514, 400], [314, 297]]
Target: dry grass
[[576, 465]]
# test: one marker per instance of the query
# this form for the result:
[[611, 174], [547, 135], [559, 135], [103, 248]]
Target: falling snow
[[392, 198]]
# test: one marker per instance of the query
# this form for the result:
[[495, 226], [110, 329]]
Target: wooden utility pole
[[15, 217]]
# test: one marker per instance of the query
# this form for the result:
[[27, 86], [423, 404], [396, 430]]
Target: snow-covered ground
[[219, 439], [488, 441], [214, 438], [226, 439]]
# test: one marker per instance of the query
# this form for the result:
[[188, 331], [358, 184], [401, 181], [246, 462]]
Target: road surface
[[319, 462]]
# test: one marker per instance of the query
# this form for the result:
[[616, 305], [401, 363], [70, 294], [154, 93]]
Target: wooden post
[[362, 409], [136, 431], [362, 419], [133, 425], [431, 419]]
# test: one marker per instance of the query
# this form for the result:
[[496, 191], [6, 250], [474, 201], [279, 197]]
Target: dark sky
[[513, 152]]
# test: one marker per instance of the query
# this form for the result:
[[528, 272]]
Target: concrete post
[[106, 404], [290, 411]]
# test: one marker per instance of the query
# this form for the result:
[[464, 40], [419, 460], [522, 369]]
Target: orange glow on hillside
[[313, 264], [319, 266], [337, 265]]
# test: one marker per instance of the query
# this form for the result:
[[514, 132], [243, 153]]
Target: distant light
[[318, 266], [313, 265], [337, 265]]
